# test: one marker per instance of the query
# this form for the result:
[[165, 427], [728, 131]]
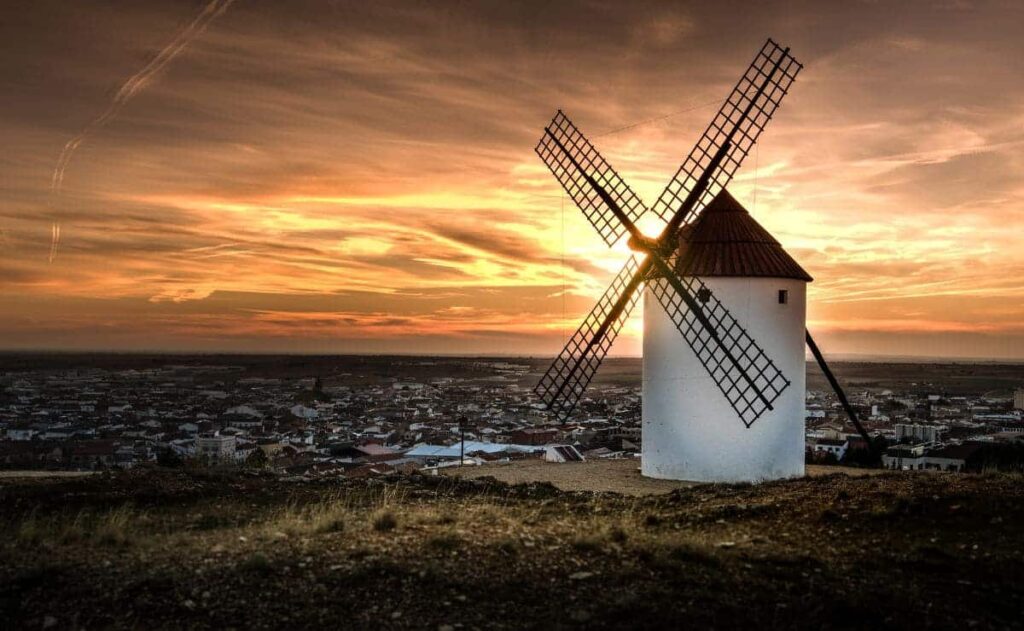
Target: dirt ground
[[220, 550], [616, 476]]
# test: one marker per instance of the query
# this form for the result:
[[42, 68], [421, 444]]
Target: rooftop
[[726, 241]]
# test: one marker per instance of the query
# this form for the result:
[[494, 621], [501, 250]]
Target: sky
[[342, 177]]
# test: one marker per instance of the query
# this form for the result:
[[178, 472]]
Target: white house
[[835, 446], [17, 433], [562, 453], [301, 411], [215, 447]]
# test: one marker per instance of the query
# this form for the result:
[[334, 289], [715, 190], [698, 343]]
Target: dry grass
[[337, 512], [328, 516], [413, 544], [117, 526]]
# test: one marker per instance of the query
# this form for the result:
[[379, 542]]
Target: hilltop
[[213, 550]]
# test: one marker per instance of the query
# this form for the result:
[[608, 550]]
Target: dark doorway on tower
[[783, 296]]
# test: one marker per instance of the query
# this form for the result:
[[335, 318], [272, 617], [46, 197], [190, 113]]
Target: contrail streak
[[54, 239], [132, 86]]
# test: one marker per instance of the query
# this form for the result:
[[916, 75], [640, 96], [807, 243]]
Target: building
[[533, 436], [93, 454], [835, 446], [904, 457], [950, 457], [919, 457], [814, 411], [690, 429], [1018, 399], [21, 433], [1010, 427], [215, 448], [562, 453], [424, 452], [368, 452], [915, 433]]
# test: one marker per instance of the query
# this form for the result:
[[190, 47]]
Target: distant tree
[[893, 405], [257, 459], [169, 458], [812, 456], [861, 457], [997, 457]]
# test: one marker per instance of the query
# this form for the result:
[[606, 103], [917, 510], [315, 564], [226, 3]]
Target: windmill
[[709, 254]]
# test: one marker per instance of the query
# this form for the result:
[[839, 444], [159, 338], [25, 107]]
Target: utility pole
[[462, 447]]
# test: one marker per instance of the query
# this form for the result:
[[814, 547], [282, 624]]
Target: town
[[369, 416]]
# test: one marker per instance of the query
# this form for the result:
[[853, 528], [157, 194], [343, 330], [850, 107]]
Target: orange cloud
[[374, 179]]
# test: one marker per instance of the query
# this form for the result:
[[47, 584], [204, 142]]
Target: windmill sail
[[744, 373], [563, 384], [741, 119], [748, 378], [574, 162]]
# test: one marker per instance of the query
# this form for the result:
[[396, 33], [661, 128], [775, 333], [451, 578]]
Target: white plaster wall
[[690, 432]]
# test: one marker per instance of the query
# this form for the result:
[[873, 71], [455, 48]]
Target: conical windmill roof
[[726, 241]]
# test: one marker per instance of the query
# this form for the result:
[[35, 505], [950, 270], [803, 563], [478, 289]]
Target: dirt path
[[44, 474], [618, 476]]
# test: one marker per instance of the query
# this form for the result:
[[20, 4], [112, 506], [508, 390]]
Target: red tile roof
[[726, 241]]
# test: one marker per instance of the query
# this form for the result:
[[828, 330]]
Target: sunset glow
[[313, 177]]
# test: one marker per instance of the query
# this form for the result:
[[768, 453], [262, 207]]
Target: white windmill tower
[[684, 437], [707, 378]]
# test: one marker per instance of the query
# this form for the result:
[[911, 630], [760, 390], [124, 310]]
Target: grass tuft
[[210, 522], [32, 531], [328, 517], [587, 543], [444, 542], [115, 527], [257, 564], [508, 546], [617, 534], [385, 521], [324, 517]]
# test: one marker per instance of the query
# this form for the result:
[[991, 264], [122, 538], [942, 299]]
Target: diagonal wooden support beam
[[838, 389]]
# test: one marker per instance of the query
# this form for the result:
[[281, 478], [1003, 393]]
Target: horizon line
[[871, 358]]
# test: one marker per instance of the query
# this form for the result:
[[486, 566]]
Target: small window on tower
[[783, 296]]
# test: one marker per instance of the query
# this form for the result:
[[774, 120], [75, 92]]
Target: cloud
[[363, 168], [128, 90]]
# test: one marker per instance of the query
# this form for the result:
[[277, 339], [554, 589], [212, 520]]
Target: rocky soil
[[159, 549]]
